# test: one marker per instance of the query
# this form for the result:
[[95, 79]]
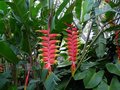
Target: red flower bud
[[54, 41], [43, 31], [53, 35], [74, 29], [44, 38], [69, 31]]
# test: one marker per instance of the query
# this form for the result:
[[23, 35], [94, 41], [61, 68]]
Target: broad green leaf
[[17, 14], [61, 7], [70, 9], [113, 68], [7, 52], [20, 9], [106, 8], [44, 74], [51, 81], [25, 43], [114, 28], [102, 86], [3, 7], [78, 8], [80, 75], [35, 10], [1, 27], [115, 84], [87, 65], [92, 78], [32, 84], [12, 87], [60, 25], [86, 7], [100, 49], [3, 78], [44, 3]]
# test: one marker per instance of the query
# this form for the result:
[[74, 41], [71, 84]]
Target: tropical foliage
[[59, 44]]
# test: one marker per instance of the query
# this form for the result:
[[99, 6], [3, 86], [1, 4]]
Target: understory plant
[[59, 45]]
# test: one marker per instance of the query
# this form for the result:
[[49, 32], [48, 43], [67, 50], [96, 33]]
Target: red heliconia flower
[[49, 48], [72, 45], [43, 31], [117, 44]]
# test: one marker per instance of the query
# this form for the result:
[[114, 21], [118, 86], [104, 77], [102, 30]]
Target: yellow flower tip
[[39, 55], [65, 29], [57, 50], [39, 50], [56, 55], [55, 62], [57, 46], [41, 60], [39, 37], [58, 41], [58, 34], [39, 43], [37, 31]]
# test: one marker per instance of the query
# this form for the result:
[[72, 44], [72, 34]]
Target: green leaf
[[102, 86], [70, 9], [61, 7], [114, 28], [100, 50], [51, 81], [86, 7], [106, 8], [25, 43], [7, 52], [20, 9], [3, 7], [60, 25], [113, 68], [44, 74], [3, 78], [115, 84], [44, 3], [35, 10], [12, 87], [92, 78], [32, 84], [78, 8], [80, 75], [1, 27]]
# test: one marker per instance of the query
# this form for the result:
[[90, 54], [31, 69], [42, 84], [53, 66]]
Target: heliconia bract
[[49, 48], [72, 45]]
